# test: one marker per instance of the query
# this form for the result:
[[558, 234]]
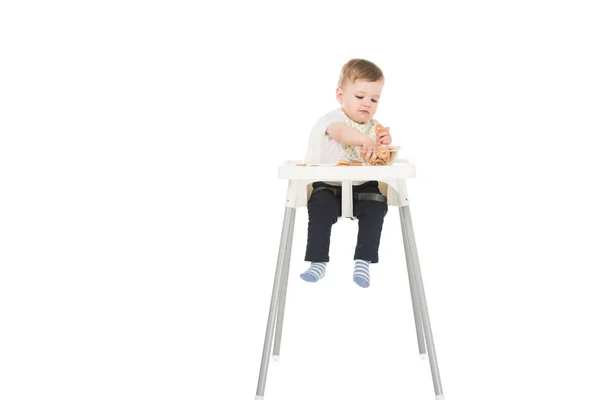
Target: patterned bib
[[368, 128]]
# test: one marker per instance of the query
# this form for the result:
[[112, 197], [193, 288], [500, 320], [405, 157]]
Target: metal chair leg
[[435, 373], [264, 365], [414, 292], [283, 289]]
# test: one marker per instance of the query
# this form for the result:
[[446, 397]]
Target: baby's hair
[[358, 69]]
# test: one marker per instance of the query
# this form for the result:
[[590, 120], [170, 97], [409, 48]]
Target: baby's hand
[[369, 149], [384, 137]]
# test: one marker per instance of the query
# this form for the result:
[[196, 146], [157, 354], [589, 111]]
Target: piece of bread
[[383, 153]]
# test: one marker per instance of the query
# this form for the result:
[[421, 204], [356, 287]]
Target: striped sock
[[361, 273], [315, 272]]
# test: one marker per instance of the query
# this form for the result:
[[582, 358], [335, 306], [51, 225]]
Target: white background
[[140, 210]]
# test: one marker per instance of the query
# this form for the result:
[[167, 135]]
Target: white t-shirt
[[323, 149]]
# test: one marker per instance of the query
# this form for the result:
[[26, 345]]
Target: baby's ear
[[338, 94]]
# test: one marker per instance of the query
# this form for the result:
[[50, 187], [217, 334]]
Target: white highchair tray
[[400, 169]]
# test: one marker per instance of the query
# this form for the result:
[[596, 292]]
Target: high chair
[[392, 184]]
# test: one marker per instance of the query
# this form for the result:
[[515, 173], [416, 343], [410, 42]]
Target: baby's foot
[[361, 273], [315, 272]]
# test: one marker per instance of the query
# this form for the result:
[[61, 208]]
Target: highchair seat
[[355, 196], [391, 179], [337, 192]]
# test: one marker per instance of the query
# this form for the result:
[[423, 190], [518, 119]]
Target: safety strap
[[337, 192]]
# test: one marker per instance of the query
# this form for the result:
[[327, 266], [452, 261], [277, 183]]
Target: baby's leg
[[370, 216], [323, 211]]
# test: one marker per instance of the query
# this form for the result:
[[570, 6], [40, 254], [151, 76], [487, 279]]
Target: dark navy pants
[[324, 208]]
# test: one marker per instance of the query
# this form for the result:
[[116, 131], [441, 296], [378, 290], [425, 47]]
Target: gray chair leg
[[283, 289], [264, 365], [414, 258], [414, 292]]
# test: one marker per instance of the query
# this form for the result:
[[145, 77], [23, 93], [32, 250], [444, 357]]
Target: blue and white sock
[[361, 273], [315, 272]]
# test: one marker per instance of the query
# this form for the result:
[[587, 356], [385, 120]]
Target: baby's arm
[[347, 135]]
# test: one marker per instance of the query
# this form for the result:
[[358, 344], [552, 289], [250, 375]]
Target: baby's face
[[359, 100]]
